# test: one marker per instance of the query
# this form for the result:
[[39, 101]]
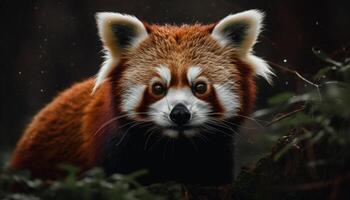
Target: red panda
[[167, 99]]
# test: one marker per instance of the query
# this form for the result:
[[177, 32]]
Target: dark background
[[45, 46]]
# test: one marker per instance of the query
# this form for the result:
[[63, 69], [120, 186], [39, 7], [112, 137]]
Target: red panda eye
[[158, 89], [200, 88]]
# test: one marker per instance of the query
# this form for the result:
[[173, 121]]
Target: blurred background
[[47, 45]]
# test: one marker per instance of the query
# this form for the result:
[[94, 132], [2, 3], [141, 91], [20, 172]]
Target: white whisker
[[126, 132]]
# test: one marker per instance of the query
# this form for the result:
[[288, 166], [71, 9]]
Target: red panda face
[[187, 107], [184, 87], [182, 79]]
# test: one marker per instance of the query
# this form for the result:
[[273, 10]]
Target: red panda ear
[[241, 31], [119, 33]]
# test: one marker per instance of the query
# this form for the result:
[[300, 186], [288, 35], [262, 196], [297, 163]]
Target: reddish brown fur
[[66, 130]]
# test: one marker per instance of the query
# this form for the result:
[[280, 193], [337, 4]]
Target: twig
[[285, 116], [298, 75]]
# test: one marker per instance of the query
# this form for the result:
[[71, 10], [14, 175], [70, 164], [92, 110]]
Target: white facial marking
[[171, 133], [183, 95], [193, 73], [164, 73], [132, 98], [228, 99], [190, 133]]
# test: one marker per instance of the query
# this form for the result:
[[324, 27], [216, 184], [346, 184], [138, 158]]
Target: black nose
[[180, 114]]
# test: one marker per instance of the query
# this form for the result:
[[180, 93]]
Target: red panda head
[[182, 78]]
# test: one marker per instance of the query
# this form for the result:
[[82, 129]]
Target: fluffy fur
[[124, 125], [105, 21], [192, 74], [164, 74], [251, 23]]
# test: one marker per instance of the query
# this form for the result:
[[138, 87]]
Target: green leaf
[[297, 120], [280, 98]]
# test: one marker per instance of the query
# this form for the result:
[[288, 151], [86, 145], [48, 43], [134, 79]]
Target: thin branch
[[298, 75], [285, 116]]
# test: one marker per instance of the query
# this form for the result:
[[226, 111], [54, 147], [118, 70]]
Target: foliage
[[324, 110], [312, 159], [19, 185]]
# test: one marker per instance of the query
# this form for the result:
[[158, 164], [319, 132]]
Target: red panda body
[[62, 132], [154, 103]]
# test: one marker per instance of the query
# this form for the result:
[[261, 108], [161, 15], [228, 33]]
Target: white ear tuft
[[118, 33], [241, 30], [261, 68], [107, 67]]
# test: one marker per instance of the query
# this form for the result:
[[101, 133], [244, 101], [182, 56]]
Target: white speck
[[285, 60], [287, 82], [42, 72], [20, 73], [41, 90], [323, 76], [316, 23], [45, 39], [334, 68]]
